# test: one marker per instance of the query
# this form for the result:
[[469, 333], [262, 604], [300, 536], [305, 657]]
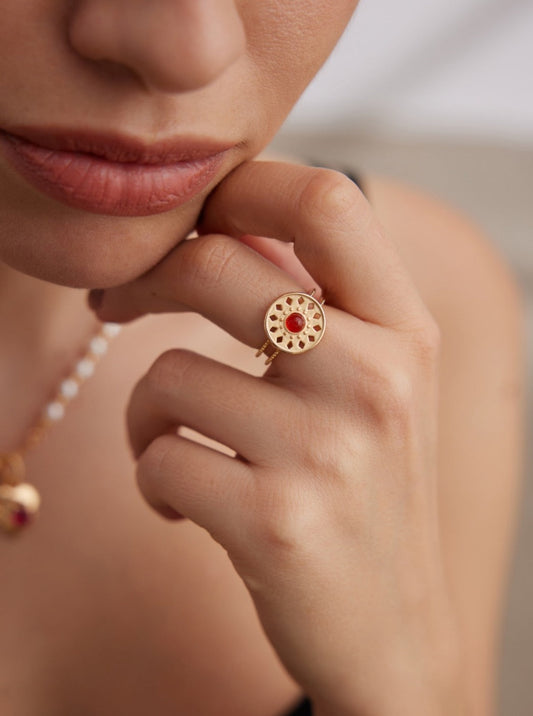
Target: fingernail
[[96, 296]]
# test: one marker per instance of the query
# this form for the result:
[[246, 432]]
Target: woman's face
[[118, 117]]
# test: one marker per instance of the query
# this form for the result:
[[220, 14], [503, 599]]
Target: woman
[[367, 520]]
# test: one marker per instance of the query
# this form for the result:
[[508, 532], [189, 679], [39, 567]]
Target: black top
[[303, 709]]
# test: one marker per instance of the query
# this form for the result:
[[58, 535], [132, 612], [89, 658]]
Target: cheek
[[289, 41]]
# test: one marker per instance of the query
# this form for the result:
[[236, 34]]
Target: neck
[[37, 316], [43, 327]]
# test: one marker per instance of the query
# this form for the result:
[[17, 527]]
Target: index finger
[[335, 233]]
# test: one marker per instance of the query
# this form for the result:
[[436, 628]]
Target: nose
[[170, 45]]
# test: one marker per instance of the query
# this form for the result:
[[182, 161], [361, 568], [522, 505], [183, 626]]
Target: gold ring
[[294, 323]]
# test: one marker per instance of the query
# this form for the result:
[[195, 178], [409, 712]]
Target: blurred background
[[440, 94]]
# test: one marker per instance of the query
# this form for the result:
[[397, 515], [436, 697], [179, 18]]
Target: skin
[[354, 546], [154, 71]]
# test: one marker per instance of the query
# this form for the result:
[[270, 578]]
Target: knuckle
[[153, 465], [284, 521], [208, 259], [427, 341], [172, 368], [394, 398], [328, 196]]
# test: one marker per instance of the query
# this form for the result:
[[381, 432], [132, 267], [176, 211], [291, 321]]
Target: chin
[[85, 274], [82, 250]]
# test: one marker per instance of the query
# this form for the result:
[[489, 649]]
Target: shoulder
[[461, 275], [471, 292]]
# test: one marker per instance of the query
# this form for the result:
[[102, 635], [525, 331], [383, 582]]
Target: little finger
[[183, 388]]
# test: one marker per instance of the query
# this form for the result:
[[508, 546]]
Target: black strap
[[354, 176], [302, 709]]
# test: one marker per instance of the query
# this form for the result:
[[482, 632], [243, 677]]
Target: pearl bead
[[69, 388], [54, 411], [98, 346], [85, 368], [110, 330]]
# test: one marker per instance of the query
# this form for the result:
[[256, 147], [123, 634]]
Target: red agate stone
[[20, 517], [295, 322]]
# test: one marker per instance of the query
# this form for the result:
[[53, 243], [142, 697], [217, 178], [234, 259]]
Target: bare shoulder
[[471, 292], [453, 264]]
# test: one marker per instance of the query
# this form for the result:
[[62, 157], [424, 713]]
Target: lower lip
[[91, 183]]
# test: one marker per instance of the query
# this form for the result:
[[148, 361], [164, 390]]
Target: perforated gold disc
[[295, 323]]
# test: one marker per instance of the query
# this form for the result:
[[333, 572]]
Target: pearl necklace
[[20, 501]]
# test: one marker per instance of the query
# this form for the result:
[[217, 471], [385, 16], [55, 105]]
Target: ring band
[[294, 323]]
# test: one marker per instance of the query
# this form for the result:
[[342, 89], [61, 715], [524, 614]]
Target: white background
[[429, 67]]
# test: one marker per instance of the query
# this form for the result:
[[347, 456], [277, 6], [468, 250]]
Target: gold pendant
[[18, 506]]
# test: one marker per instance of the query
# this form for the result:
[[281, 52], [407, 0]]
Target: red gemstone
[[20, 517], [295, 322]]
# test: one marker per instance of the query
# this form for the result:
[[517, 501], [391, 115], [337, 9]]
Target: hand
[[329, 509]]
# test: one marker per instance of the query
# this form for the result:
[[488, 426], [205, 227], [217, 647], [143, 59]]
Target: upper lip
[[116, 147]]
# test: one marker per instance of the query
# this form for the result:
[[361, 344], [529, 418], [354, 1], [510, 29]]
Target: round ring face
[[295, 323]]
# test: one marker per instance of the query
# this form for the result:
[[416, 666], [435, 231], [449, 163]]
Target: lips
[[113, 174]]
